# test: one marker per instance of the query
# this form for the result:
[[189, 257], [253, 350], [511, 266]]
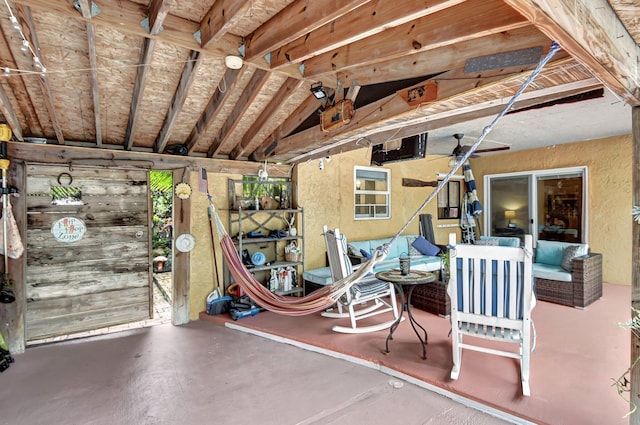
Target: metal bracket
[[95, 10], [145, 25], [198, 36]]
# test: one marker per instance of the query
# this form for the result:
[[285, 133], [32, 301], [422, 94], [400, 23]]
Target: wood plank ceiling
[[150, 76]]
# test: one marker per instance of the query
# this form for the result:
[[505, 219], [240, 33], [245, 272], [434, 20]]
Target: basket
[[292, 257], [292, 252]]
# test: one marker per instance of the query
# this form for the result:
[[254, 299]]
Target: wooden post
[[635, 263], [181, 225]]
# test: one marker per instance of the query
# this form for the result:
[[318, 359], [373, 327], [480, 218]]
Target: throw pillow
[[425, 247], [413, 252], [570, 253], [365, 254], [487, 242], [352, 250]]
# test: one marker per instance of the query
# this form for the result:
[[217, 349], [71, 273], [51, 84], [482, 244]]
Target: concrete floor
[[204, 373]]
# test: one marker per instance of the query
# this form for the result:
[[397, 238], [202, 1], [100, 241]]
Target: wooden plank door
[[73, 282]]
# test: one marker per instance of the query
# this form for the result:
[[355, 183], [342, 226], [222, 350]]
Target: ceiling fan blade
[[501, 148], [417, 183]]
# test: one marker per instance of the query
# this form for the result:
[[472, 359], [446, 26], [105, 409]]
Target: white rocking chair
[[494, 305], [365, 298]]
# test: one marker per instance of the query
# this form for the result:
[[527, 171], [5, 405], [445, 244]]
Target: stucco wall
[[608, 163], [327, 198]]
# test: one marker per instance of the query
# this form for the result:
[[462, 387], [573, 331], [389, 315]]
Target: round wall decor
[[185, 242], [68, 229]]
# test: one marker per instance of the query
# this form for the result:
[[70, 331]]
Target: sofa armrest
[[586, 275]]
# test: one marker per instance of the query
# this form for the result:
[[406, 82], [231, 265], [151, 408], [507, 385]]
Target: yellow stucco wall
[[327, 198], [609, 176]]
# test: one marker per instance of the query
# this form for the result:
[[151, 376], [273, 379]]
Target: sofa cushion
[[503, 240], [487, 242], [425, 247], [413, 252], [550, 272], [570, 253], [321, 276], [552, 252]]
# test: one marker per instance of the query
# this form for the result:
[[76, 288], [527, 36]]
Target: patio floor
[[578, 354]]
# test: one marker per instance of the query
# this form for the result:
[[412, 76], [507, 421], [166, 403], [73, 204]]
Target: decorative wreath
[[183, 190]]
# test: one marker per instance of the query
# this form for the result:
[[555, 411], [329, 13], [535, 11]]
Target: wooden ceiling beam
[[294, 21], [19, 89], [158, 11], [10, 115], [126, 15], [293, 121], [448, 57], [393, 112], [29, 31], [52, 154], [370, 19], [466, 21], [448, 119], [179, 97], [210, 112], [85, 9], [592, 33], [223, 16], [290, 86], [244, 102]]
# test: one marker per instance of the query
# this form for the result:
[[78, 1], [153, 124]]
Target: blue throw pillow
[[425, 247], [365, 254]]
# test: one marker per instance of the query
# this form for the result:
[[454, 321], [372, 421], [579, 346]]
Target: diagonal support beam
[[251, 91], [212, 109], [158, 11], [43, 81], [85, 8], [592, 33], [290, 86], [10, 115], [223, 16], [179, 97]]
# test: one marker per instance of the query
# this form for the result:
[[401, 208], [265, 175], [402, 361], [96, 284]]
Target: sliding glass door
[[548, 204], [509, 211]]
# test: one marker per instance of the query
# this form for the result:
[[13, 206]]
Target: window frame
[[359, 191]]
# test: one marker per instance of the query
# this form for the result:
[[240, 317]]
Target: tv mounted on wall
[[414, 147]]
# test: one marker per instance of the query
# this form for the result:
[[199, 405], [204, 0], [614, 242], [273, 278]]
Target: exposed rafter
[[245, 101], [85, 8], [221, 18], [10, 115], [591, 32]]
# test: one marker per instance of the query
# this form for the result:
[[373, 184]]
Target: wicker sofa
[[580, 286]]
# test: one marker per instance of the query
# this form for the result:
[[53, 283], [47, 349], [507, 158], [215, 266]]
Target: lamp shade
[[510, 214]]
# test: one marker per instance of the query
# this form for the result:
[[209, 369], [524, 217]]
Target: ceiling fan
[[460, 150]]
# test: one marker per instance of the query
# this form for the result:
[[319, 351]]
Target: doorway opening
[[159, 223]]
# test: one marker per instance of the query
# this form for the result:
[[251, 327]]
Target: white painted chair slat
[[377, 297], [491, 293]]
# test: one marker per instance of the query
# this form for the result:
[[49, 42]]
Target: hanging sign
[[68, 229]]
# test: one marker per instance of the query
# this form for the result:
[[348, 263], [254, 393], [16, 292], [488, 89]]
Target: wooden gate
[[88, 249]]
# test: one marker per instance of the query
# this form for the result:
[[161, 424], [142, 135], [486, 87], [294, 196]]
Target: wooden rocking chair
[[366, 298], [491, 290]]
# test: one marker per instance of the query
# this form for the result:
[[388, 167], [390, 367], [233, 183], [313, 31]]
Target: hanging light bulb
[[36, 62], [7, 71], [25, 46], [14, 23]]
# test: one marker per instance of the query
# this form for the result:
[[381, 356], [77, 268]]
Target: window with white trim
[[372, 193]]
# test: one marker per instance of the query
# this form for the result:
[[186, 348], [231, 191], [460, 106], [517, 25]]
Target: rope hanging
[[554, 48], [329, 295]]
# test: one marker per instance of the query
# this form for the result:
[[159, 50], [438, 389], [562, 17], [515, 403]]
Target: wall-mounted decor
[[68, 229]]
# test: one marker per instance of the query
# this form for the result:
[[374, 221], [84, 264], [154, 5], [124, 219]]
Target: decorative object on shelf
[[292, 252], [269, 203], [258, 258], [185, 242], [183, 190]]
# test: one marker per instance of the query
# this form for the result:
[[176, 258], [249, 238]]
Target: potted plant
[[444, 271]]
